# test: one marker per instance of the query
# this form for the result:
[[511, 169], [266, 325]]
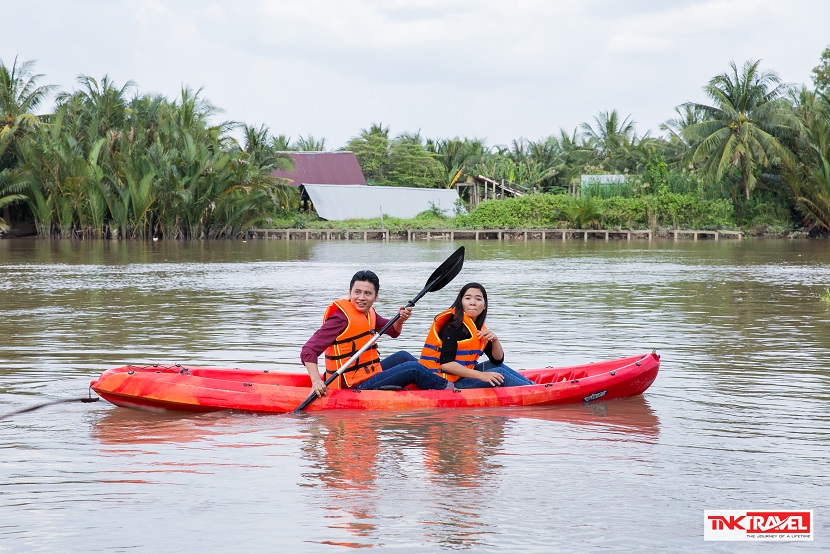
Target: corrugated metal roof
[[336, 168], [611, 179], [339, 202]]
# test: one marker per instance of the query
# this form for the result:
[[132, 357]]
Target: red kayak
[[202, 389]]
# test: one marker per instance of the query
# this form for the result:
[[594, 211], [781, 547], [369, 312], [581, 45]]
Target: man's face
[[363, 295]]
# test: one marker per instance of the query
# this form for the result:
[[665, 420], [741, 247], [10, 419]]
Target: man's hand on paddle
[[317, 384], [405, 313]]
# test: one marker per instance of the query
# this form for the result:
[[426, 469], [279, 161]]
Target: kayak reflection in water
[[458, 338], [349, 324]]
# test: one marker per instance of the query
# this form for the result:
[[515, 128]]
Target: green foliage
[[371, 148], [656, 172], [112, 163], [411, 165], [825, 296], [584, 212], [744, 125], [109, 166], [670, 210], [310, 144], [821, 73], [808, 179], [683, 211], [625, 213], [457, 158], [403, 162], [527, 211], [765, 209]]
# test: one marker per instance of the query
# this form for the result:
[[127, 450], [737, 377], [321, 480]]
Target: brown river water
[[738, 418]]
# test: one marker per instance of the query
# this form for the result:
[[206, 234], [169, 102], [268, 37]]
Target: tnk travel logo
[[757, 525]]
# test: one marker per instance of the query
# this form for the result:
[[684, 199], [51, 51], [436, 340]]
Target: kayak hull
[[202, 389]]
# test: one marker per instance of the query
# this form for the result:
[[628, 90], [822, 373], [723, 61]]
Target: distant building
[[588, 180], [334, 184], [339, 202], [333, 168]]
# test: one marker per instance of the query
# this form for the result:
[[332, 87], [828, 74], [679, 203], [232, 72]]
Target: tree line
[[109, 162]]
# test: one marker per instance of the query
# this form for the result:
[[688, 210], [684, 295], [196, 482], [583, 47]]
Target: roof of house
[[335, 168], [602, 179], [339, 202]]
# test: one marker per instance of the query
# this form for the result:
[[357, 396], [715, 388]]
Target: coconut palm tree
[[615, 142], [456, 156], [20, 96], [310, 144], [743, 126], [808, 178], [677, 147]]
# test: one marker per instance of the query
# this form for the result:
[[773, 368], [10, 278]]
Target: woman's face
[[473, 302]]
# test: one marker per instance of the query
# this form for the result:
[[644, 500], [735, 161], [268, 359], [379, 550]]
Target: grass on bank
[[762, 216]]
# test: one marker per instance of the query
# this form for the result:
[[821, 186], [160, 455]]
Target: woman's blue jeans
[[402, 369], [512, 378]]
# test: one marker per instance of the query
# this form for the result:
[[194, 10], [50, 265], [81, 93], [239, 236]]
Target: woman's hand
[[491, 377], [487, 335]]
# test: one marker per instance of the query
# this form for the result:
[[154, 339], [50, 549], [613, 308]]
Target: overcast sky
[[497, 70]]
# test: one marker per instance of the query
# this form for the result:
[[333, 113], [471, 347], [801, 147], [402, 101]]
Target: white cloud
[[486, 68]]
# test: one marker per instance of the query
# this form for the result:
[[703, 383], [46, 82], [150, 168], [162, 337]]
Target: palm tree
[[615, 141], [677, 147], [20, 96], [456, 157], [809, 178], [741, 128], [310, 144], [10, 184]]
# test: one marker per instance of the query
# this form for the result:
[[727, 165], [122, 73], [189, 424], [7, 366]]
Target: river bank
[[488, 234]]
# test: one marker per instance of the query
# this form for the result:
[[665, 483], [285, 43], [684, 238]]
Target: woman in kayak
[[458, 338], [349, 324]]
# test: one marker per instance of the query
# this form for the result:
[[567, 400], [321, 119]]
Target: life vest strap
[[355, 337], [350, 354]]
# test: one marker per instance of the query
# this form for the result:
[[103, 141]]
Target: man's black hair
[[368, 276]]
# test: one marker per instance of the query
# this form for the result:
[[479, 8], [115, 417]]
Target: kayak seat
[[390, 387]]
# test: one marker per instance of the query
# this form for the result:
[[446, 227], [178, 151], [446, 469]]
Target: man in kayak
[[458, 338], [350, 323]]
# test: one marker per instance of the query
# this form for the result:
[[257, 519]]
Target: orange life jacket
[[358, 332], [469, 350]]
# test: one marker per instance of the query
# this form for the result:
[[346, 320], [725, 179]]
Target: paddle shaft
[[39, 406], [365, 347]]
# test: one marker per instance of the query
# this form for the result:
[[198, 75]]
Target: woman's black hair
[[368, 276], [458, 317]]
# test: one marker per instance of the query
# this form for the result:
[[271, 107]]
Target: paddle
[[445, 273], [52, 403]]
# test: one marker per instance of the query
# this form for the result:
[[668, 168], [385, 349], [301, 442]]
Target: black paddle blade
[[447, 271]]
